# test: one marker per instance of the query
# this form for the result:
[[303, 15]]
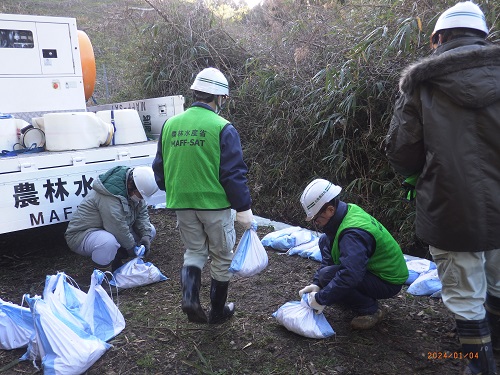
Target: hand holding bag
[[251, 257], [136, 272], [299, 317]]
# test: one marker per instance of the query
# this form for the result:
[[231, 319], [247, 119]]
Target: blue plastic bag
[[137, 272], [417, 267], [299, 317], [426, 284], [286, 238], [105, 319], [308, 250], [16, 326], [250, 257], [64, 349]]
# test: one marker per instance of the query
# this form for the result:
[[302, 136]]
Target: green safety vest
[[191, 154], [387, 262]]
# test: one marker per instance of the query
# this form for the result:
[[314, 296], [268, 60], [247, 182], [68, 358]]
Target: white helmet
[[316, 195], [464, 14], [211, 81], [144, 180]]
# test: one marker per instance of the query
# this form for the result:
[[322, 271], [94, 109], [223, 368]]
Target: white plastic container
[[128, 125], [8, 134], [75, 131], [152, 112]]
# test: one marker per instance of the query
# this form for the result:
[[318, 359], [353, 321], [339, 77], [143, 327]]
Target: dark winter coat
[[446, 126]]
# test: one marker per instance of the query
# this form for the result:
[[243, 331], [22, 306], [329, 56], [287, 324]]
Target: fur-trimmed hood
[[448, 66]]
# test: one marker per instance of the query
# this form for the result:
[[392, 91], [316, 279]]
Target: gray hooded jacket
[[446, 126], [108, 208]]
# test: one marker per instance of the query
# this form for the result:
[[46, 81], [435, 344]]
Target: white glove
[[309, 289], [245, 218], [311, 300]]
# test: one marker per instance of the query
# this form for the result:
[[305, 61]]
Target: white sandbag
[[250, 257], [417, 267], [426, 284], [64, 349], [286, 238], [308, 250], [105, 319], [299, 317], [65, 300], [16, 325], [65, 289], [136, 272]]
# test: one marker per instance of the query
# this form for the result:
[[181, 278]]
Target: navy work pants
[[363, 298]]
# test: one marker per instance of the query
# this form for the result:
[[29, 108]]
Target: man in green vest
[[199, 163], [361, 261]]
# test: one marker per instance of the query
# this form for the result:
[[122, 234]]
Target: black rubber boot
[[475, 338], [191, 283], [121, 254], [492, 306], [220, 312]]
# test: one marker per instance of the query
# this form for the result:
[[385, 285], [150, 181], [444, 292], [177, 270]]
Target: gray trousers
[[208, 233], [102, 246], [466, 277]]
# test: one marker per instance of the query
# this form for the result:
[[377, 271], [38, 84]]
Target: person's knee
[[103, 247], [326, 274], [323, 280]]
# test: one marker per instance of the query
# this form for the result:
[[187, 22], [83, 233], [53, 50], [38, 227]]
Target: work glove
[[245, 218], [146, 241], [311, 301], [409, 185], [309, 289]]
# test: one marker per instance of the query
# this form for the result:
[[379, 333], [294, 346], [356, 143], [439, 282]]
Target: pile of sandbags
[[66, 329]]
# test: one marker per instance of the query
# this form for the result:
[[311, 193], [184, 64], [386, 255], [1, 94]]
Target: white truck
[[40, 74]]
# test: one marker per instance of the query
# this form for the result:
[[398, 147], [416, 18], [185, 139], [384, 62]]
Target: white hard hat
[[464, 14], [144, 180], [211, 81], [316, 195]]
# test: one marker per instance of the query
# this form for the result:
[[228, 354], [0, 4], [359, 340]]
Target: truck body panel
[[41, 68], [41, 72]]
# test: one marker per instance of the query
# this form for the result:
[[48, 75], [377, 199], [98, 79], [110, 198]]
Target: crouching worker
[[361, 261], [113, 218]]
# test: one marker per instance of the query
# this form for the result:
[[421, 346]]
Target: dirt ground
[[158, 339]]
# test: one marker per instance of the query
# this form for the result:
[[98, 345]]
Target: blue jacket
[[356, 246]]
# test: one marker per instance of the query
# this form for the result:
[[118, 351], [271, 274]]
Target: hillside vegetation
[[312, 83]]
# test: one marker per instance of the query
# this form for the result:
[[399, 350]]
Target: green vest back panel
[[191, 154], [387, 262]]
